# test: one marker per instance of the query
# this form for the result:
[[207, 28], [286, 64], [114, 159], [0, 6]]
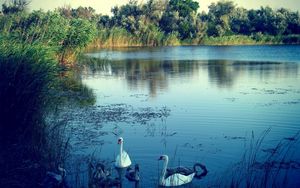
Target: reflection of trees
[[156, 75], [152, 74], [220, 73], [225, 73]]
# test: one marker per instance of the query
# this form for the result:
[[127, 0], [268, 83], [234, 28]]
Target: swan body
[[122, 159], [55, 179], [176, 176], [100, 172], [133, 174]]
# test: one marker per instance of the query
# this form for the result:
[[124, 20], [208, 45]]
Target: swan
[[133, 174], [101, 177], [175, 176], [122, 159], [100, 172], [54, 179]]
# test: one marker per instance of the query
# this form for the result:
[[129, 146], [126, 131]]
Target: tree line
[[154, 23]]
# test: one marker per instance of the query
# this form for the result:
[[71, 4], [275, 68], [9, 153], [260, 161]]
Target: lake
[[202, 104]]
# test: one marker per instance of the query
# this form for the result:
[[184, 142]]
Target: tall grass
[[27, 75], [228, 40], [120, 37], [257, 38], [261, 167], [115, 37], [28, 144]]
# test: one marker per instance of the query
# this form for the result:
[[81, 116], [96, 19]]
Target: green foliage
[[180, 16], [80, 33], [115, 37], [228, 40], [184, 7], [152, 36], [219, 18], [50, 29], [26, 82], [171, 39], [68, 31], [14, 6]]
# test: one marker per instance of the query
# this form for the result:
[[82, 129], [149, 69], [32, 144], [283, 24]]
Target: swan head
[[62, 171], [120, 140], [163, 157]]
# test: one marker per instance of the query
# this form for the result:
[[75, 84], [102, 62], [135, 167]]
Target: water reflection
[[157, 75]]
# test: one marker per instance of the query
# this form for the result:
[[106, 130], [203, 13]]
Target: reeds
[[260, 167], [29, 144]]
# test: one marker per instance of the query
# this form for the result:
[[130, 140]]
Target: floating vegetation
[[232, 99], [235, 137], [277, 165], [117, 113], [88, 122]]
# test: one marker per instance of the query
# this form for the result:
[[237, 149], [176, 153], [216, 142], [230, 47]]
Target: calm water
[[214, 98]]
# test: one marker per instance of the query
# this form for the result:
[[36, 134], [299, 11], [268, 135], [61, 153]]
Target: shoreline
[[211, 41]]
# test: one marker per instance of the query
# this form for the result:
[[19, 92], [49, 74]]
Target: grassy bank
[[28, 74], [118, 37], [33, 85], [257, 39]]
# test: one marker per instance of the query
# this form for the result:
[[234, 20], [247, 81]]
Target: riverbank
[[122, 41]]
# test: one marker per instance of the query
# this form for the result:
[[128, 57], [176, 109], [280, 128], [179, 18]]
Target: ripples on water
[[217, 98]]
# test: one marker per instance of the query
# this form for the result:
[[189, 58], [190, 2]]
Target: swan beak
[[119, 141], [160, 158]]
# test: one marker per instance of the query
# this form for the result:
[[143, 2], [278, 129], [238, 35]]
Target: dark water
[[195, 104]]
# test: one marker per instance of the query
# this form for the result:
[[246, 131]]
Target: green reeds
[[115, 37], [27, 88]]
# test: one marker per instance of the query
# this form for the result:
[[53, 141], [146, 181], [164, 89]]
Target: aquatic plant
[[261, 167]]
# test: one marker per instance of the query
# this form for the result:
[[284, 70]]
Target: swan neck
[[121, 148], [164, 170]]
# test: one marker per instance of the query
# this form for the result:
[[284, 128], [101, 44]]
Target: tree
[[219, 18], [184, 7], [154, 10], [292, 20], [180, 16], [104, 21], [239, 22], [267, 21], [15, 6], [127, 16]]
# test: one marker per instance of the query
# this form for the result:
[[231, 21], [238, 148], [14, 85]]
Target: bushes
[[27, 73], [228, 40], [66, 37], [26, 86], [257, 38]]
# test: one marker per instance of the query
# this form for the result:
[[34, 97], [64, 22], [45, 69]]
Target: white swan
[[176, 176], [122, 160]]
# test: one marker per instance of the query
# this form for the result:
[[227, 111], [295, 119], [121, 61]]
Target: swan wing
[[132, 175], [123, 160], [118, 161], [179, 170], [178, 179]]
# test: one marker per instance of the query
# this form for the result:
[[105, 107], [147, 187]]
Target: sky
[[104, 6]]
